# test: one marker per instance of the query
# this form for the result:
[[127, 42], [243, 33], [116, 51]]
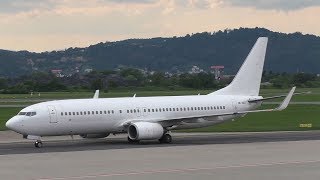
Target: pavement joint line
[[182, 170]]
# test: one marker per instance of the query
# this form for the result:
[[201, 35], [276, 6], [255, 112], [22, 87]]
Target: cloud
[[40, 25], [19, 7], [205, 4], [15, 6], [285, 5]]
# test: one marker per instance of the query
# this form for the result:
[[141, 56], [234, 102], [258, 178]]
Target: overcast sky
[[45, 25]]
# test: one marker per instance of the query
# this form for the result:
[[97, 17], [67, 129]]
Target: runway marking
[[179, 170]]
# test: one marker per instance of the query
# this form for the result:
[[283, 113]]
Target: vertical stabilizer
[[248, 79]]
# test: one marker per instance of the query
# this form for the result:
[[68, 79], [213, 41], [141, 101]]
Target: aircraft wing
[[281, 107]]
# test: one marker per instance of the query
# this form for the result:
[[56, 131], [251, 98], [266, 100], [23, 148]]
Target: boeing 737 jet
[[148, 118]]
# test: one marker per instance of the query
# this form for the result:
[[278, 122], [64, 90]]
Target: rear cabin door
[[52, 114], [235, 105]]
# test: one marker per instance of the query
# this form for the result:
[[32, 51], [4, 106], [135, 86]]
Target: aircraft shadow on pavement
[[111, 143]]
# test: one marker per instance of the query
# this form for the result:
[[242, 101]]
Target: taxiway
[[275, 155]]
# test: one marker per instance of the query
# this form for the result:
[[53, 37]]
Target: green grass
[[6, 114], [287, 120]]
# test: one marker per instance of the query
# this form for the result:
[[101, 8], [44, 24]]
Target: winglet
[[286, 101], [96, 94]]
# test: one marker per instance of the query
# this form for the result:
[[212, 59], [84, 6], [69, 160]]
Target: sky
[[46, 25]]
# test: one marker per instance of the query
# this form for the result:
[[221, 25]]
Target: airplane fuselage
[[109, 115]]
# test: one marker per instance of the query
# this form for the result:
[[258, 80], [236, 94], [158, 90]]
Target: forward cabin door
[[52, 114]]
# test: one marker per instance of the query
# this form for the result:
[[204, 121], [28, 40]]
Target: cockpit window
[[27, 113]]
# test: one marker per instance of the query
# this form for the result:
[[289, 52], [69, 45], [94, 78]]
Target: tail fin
[[248, 79]]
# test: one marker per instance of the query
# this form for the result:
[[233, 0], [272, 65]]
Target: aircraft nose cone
[[13, 124], [9, 124]]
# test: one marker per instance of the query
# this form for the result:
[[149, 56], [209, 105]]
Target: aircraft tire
[[38, 144], [133, 141], [166, 138]]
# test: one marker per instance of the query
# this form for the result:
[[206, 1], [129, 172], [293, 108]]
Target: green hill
[[286, 53]]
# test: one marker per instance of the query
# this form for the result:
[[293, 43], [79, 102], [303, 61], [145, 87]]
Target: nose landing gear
[[38, 144]]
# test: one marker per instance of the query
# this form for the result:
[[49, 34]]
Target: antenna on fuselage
[[134, 95]]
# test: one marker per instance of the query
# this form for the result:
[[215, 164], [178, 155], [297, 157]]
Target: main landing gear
[[38, 144], [132, 141], [166, 138]]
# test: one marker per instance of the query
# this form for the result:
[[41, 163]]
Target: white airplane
[[148, 118]]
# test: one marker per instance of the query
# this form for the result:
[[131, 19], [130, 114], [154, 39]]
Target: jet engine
[[145, 131], [94, 136]]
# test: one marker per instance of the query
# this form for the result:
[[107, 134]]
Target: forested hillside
[[286, 53]]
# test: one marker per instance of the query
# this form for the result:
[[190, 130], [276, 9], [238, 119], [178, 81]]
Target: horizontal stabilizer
[[276, 97]]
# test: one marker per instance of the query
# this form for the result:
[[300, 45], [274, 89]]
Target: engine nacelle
[[145, 131], [94, 136]]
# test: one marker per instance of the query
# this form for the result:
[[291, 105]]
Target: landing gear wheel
[[132, 141], [166, 139], [38, 144]]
